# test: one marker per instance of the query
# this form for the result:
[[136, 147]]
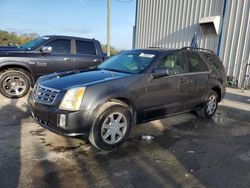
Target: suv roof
[[184, 48]]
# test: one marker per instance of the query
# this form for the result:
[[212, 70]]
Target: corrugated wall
[[172, 23], [235, 47]]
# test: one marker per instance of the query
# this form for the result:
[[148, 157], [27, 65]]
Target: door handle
[[95, 60], [66, 59]]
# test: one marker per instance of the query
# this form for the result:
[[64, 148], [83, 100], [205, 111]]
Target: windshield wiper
[[115, 70]]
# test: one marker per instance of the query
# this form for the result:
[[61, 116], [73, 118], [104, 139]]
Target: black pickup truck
[[21, 66]]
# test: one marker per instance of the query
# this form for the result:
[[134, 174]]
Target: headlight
[[72, 99]]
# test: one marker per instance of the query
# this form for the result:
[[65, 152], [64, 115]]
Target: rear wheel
[[14, 83], [111, 126], [209, 107]]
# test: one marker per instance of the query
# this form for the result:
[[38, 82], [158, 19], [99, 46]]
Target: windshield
[[34, 43], [130, 61]]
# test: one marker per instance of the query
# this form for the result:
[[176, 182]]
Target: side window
[[196, 63], [60, 46], [175, 63], [84, 47]]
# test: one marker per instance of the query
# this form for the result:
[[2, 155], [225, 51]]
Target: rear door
[[59, 60], [86, 55], [167, 95], [198, 79]]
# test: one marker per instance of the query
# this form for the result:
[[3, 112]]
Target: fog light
[[62, 121]]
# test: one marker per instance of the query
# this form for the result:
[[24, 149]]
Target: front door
[[59, 60], [167, 94]]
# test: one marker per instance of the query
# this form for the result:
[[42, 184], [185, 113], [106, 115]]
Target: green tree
[[11, 38], [113, 51]]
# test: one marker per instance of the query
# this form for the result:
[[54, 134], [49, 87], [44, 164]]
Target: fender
[[212, 84], [28, 66]]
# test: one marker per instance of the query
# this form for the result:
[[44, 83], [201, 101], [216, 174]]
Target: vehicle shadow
[[191, 153], [11, 118], [186, 152], [209, 149], [135, 164]]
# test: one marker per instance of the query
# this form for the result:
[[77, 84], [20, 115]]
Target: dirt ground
[[186, 151]]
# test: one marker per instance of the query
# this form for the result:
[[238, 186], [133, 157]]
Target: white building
[[221, 25]]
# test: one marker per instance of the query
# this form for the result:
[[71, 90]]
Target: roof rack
[[154, 47], [158, 47], [201, 49]]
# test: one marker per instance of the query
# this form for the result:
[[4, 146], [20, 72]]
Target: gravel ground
[[185, 152]]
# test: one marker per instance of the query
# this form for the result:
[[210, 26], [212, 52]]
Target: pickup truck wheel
[[14, 83], [111, 126], [209, 107]]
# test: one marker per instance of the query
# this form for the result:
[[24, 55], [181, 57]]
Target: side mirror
[[160, 73], [46, 49]]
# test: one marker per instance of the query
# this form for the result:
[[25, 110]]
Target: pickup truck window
[[84, 47], [34, 43], [60, 46]]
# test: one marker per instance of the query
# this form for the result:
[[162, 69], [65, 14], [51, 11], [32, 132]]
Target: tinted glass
[[134, 61], [175, 63], [34, 43], [213, 59], [83, 47], [215, 64], [60, 46], [196, 63]]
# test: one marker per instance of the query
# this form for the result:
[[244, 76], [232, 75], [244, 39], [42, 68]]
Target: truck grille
[[45, 95]]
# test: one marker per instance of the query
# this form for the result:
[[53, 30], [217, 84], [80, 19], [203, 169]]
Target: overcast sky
[[83, 18]]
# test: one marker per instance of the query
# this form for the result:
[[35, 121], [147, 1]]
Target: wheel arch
[[18, 67], [131, 106], [122, 100], [218, 92]]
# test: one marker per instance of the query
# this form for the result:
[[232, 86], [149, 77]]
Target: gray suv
[[132, 87]]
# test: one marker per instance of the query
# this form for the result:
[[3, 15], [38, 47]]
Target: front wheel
[[14, 83], [111, 126], [209, 108]]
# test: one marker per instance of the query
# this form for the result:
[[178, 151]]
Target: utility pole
[[108, 27]]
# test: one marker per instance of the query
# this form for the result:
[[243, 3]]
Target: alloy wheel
[[114, 128], [14, 85], [211, 104]]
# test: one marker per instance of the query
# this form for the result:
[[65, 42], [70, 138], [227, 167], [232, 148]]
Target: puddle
[[219, 119], [245, 157]]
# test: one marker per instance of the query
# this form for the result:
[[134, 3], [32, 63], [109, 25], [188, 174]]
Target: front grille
[[45, 123], [45, 95]]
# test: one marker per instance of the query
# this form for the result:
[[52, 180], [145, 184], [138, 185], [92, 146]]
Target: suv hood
[[11, 48], [63, 81]]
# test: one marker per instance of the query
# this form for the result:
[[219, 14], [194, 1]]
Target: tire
[[102, 126], [209, 108], [14, 83]]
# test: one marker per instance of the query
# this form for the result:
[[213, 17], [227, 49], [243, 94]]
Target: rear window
[[196, 63], [215, 63], [84, 47], [213, 59]]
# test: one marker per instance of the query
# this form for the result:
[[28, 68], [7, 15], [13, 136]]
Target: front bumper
[[48, 116]]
